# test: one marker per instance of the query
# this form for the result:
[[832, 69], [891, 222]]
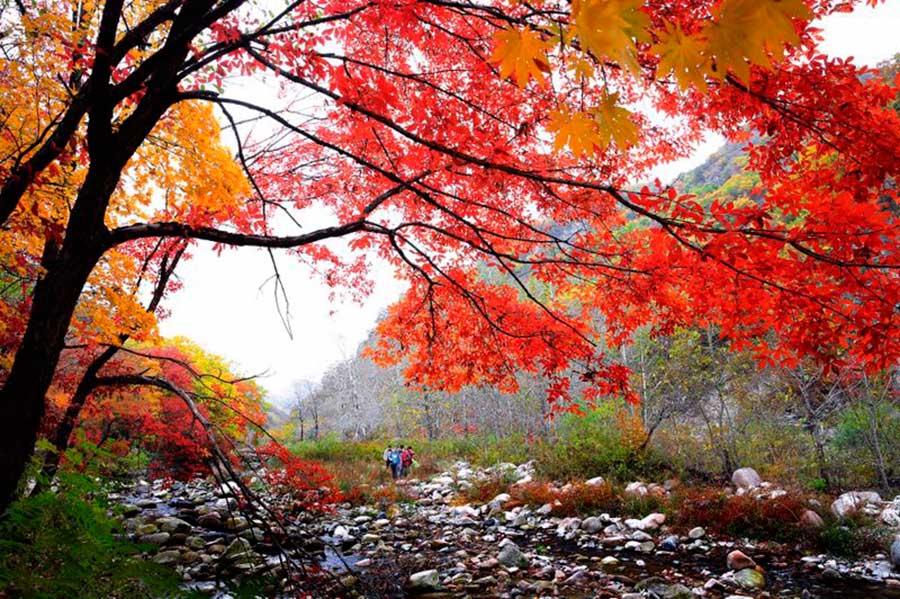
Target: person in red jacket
[[406, 459]]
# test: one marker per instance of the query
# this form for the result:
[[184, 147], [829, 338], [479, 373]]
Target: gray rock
[[852, 502], [426, 580], [895, 553], [511, 556], [167, 557], [592, 525], [156, 538], [662, 589], [746, 478], [670, 543], [173, 525], [697, 533]]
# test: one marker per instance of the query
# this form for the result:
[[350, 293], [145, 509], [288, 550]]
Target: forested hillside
[[704, 411]]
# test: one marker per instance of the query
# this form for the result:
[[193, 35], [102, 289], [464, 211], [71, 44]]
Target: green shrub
[[596, 444], [851, 537], [63, 545]]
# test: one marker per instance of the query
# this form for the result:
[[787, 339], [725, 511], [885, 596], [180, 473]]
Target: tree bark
[[22, 396]]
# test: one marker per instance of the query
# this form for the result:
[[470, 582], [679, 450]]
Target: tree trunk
[[876, 448], [55, 297], [22, 396]]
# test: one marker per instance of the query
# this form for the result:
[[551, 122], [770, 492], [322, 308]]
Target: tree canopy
[[444, 136]]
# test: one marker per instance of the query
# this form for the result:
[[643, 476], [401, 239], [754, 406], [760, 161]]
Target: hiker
[[395, 462], [406, 460], [386, 456]]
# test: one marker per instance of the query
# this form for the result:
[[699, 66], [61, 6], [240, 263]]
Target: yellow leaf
[[576, 130], [581, 67], [681, 55], [522, 53], [584, 132], [752, 32], [614, 123], [609, 28]]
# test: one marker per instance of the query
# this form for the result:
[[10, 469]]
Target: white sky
[[223, 308]]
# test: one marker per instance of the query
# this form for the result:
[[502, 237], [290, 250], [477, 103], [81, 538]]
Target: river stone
[[661, 588], [594, 482], [697, 533], [157, 538], [195, 543], [652, 521], [239, 550], [577, 577], [511, 556], [210, 520], [810, 519], [167, 557], [853, 501], [173, 525], [636, 489], [746, 478], [592, 525], [426, 580], [749, 578], [146, 529], [895, 552], [738, 560], [670, 543], [237, 523]]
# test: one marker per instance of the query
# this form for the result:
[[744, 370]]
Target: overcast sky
[[227, 308]]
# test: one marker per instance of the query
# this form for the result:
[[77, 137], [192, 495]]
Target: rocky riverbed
[[436, 546]]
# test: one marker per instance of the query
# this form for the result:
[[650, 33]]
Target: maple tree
[[442, 137], [156, 420]]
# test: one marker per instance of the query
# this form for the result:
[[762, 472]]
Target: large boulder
[[853, 502], [746, 478]]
